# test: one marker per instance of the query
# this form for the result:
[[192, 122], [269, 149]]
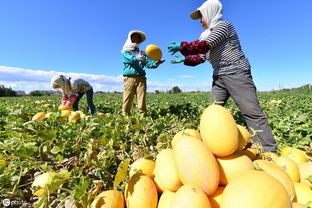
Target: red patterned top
[[193, 52]]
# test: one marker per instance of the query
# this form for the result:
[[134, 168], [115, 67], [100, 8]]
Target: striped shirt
[[221, 48]]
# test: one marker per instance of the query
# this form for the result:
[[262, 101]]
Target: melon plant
[[270, 156]]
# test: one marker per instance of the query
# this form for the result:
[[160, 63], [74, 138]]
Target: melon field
[[48, 161]]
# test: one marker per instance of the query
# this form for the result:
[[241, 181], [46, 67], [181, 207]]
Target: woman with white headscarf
[[220, 45], [73, 90], [135, 61]]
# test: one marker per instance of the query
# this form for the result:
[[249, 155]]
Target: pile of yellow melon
[[66, 112], [210, 170]]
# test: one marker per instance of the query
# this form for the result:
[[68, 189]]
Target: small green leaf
[[81, 190], [56, 149]]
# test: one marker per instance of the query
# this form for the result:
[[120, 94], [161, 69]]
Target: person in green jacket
[[135, 60]]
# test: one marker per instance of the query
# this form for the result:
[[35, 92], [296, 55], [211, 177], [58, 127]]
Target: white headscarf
[[59, 81], [129, 45], [212, 11]]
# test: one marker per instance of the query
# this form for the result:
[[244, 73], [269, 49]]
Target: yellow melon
[[64, 107], [233, 165], [216, 197], [303, 194], [73, 117], [109, 199], [218, 130], [49, 182], [294, 154], [244, 137], [290, 167], [193, 133], [101, 114], [190, 196], [166, 176], [305, 170], [153, 52], [166, 199], [82, 114], [141, 192], [39, 116], [297, 205], [46, 105], [65, 113], [44, 183], [143, 165], [272, 169], [196, 165], [252, 153], [255, 189]]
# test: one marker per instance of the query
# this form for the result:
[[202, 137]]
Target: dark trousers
[[89, 94], [241, 88]]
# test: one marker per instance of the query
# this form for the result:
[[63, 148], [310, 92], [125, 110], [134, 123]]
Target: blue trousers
[[89, 94]]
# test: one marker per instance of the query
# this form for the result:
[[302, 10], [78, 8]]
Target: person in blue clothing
[[135, 61]]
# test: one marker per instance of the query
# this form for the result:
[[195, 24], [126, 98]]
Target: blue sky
[[40, 38]]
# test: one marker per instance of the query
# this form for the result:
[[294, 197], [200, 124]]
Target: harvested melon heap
[[211, 168]]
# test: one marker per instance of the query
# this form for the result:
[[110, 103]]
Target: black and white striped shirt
[[225, 54]]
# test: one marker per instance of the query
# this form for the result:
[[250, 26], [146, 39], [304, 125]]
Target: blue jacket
[[133, 67]]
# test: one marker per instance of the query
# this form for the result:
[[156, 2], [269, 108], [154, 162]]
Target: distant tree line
[[6, 92], [40, 93]]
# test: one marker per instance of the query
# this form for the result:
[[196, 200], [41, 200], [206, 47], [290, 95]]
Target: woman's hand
[[174, 47], [179, 59]]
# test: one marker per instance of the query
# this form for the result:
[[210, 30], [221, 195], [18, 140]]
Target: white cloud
[[29, 80]]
